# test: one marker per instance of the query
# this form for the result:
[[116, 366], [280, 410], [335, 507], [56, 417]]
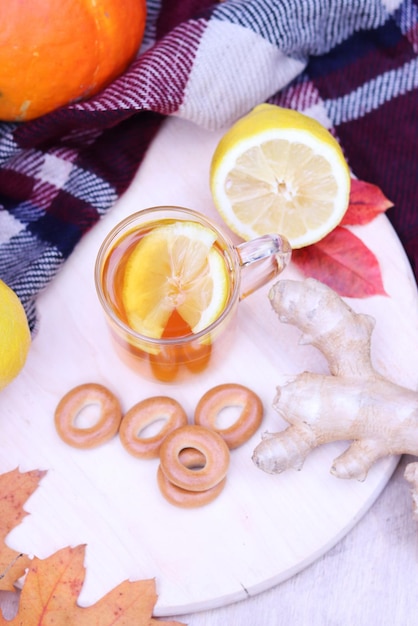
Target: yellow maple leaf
[[15, 489], [52, 586]]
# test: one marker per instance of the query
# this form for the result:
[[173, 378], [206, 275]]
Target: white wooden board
[[262, 529]]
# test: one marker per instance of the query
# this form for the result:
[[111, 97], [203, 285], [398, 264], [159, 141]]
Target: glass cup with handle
[[144, 259]]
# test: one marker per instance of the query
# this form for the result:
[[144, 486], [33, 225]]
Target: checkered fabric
[[353, 65]]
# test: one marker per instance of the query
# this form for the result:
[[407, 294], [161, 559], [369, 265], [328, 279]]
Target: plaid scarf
[[351, 65]]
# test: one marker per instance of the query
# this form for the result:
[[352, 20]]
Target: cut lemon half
[[279, 171], [175, 267]]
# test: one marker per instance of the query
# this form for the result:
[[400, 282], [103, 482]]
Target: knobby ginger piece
[[354, 402]]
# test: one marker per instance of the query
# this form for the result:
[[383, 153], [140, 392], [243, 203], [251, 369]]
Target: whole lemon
[[15, 338]]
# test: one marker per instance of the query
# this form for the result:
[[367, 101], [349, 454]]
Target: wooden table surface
[[370, 576]]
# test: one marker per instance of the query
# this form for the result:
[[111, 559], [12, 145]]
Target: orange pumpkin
[[53, 52]]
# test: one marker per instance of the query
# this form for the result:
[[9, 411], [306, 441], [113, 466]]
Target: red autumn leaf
[[52, 586], [366, 202], [344, 263], [15, 489]]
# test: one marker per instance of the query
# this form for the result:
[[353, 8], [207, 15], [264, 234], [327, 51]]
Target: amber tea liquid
[[178, 354]]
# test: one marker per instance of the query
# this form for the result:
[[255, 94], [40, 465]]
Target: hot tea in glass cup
[[170, 280]]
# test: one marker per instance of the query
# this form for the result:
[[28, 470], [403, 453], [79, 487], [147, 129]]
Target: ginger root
[[353, 403]]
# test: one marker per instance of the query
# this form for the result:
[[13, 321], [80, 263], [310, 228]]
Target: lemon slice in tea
[[175, 267]]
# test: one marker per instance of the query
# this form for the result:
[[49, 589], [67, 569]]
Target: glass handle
[[261, 260]]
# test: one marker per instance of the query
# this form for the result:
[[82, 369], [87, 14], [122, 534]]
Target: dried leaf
[[52, 587], [366, 202], [344, 263], [15, 489]]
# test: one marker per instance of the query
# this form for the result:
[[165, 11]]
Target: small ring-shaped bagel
[[74, 402], [145, 413], [205, 441], [229, 395], [184, 498]]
